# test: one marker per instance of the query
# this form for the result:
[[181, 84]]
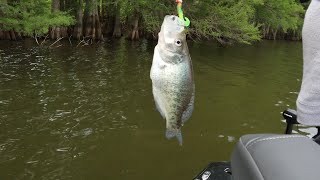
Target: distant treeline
[[227, 21]]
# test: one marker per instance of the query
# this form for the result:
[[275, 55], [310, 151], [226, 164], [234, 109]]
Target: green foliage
[[154, 13], [227, 21], [280, 15], [32, 17]]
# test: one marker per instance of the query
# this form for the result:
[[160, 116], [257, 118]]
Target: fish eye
[[178, 42]]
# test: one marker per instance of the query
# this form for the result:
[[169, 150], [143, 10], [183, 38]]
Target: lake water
[[88, 112]]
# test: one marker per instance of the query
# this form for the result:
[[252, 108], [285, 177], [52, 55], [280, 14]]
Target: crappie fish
[[172, 76]]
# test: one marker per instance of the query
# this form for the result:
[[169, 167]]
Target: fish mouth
[[173, 23], [174, 18]]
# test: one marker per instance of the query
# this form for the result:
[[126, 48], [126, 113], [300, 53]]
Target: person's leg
[[308, 102]]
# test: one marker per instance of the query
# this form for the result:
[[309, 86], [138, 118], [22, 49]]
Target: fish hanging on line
[[172, 76]]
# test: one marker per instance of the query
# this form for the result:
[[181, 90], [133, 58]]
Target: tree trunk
[[7, 35], [63, 5], [64, 32], [55, 31], [12, 35], [264, 31], [18, 36], [87, 19], [98, 27], [2, 33], [77, 33], [274, 34], [110, 16], [135, 31], [117, 25], [92, 23], [55, 6], [268, 33]]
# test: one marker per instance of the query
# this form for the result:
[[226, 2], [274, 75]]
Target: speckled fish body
[[172, 77]]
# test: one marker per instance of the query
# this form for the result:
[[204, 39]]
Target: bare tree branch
[[56, 41]]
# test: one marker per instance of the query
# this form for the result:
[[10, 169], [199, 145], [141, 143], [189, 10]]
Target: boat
[[270, 157]]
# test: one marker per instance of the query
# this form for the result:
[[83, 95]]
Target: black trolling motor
[[290, 116]]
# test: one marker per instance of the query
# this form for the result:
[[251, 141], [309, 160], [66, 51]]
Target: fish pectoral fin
[[174, 133], [160, 111], [158, 102], [188, 112]]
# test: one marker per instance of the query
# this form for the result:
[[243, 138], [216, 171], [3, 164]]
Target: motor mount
[[290, 116]]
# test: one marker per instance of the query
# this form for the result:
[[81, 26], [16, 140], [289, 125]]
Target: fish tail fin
[[174, 133]]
